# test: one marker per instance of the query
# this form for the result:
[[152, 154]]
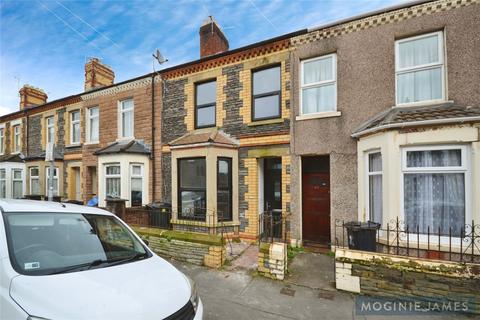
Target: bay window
[[113, 181], [17, 184], [92, 134], [319, 85], [375, 197], [75, 127], [55, 181], [224, 189], [205, 99], [192, 188], [34, 181], [419, 68], [266, 99], [136, 184], [126, 119], [434, 188], [3, 184]]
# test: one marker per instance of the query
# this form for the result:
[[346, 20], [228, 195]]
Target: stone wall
[[408, 278], [272, 260], [199, 249]]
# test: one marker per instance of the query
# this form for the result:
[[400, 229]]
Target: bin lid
[[357, 225]]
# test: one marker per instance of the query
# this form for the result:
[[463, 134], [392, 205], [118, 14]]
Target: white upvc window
[[50, 121], [125, 119], [55, 181], [17, 183], [319, 85], [420, 69], [2, 140], [436, 196], [16, 138], [34, 181], [92, 132], [75, 127], [374, 199], [113, 180], [3, 183], [136, 184]]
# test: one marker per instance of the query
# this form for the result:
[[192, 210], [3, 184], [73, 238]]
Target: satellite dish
[[159, 57]]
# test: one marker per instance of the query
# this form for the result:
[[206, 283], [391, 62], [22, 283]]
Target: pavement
[[308, 292]]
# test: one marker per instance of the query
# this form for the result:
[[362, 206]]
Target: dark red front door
[[316, 207]]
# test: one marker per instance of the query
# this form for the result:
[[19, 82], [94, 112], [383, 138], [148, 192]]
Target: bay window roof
[[398, 117], [132, 146], [214, 136]]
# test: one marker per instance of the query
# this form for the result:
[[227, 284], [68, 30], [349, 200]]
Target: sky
[[46, 43]]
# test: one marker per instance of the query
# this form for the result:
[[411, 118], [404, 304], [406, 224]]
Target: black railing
[[396, 237], [273, 226]]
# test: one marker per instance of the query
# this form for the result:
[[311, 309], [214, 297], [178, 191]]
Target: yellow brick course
[[251, 196], [265, 140]]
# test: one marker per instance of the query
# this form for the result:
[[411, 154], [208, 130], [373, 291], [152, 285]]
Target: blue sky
[[45, 43]]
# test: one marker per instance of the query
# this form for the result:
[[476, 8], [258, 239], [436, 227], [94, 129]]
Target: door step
[[316, 247]]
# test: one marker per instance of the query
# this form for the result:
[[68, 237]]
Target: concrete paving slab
[[313, 270]]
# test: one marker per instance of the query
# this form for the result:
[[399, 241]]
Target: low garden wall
[[272, 260], [408, 278], [199, 249]]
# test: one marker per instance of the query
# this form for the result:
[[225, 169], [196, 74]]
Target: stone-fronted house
[[385, 120]]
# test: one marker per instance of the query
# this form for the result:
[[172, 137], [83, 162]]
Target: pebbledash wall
[[408, 278], [257, 139], [365, 83]]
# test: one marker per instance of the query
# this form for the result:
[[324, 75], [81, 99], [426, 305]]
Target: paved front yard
[[307, 293]]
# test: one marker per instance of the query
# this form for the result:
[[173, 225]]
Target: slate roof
[[18, 157], [398, 117], [41, 156], [132, 146], [205, 136]]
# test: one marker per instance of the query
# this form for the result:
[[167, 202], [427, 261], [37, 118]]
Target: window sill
[[422, 103], [125, 139], [74, 145], [320, 115], [91, 143], [264, 122]]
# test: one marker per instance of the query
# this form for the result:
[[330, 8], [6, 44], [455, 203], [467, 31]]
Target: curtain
[[318, 99], [113, 187], [375, 187], [318, 70], [419, 85], [127, 123], [418, 52], [434, 199], [17, 189]]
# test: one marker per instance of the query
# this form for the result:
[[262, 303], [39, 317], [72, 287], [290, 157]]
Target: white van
[[66, 262]]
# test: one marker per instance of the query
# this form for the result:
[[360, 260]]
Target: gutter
[[414, 124]]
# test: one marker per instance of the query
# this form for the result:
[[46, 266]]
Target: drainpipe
[[153, 136]]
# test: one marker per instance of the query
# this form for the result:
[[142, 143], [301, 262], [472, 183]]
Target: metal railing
[[273, 226], [440, 243]]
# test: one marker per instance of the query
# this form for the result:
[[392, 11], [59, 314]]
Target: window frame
[[113, 176], [88, 125], [72, 126], [465, 168], [17, 139], [2, 140], [32, 177], [267, 94], [428, 66], [133, 176], [230, 187], [4, 180], [206, 105], [121, 113], [49, 126], [367, 182], [180, 216], [318, 84], [17, 180], [56, 175]]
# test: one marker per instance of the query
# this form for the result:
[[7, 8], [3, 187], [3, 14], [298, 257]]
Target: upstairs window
[[319, 85], [92, 125], [75, 127], [205, 99], [34, 181], [16, 138], [50, 121], [126, 119], [2, 140], [420, 68], [266, 94]]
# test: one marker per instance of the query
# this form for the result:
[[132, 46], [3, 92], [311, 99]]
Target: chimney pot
[[31, 97], [97, 74], [212, 39]]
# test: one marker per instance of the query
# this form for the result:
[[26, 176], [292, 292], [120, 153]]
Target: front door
[[316, 207], [272, 184]]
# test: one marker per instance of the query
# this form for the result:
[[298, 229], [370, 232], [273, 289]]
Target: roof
[[132, 146], [41, 156], [20, 205], [398, 117], [17, 157], [210, 136]]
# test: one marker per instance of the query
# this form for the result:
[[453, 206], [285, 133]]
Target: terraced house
[[370, 118]]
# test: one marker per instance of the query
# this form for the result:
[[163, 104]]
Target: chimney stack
[[212, 39], [97, 74], [31, 97]]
